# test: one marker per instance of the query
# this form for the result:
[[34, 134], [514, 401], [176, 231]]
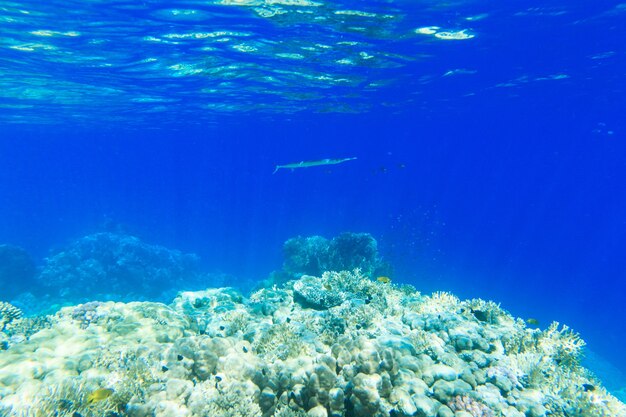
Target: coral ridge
[[338, 344]]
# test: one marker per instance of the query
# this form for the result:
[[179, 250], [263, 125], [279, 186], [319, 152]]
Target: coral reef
[[377, 350], [86, 313], [108, 265], [470, 405], [311, 292], [315, 255], [20, 330], [8, 313]]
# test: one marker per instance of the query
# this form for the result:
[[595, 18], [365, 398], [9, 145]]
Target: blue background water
[[491, 167]]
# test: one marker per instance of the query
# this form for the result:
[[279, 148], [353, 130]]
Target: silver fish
[[308, 164]]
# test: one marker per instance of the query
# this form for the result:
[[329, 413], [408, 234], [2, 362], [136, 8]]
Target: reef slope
[[336, 345]]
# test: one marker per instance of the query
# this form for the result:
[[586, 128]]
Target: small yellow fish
[[99, 395], [328, 287], [383, 280], [532, 322]]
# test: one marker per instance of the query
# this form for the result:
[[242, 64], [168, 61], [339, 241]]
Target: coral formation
[[470, 405], [86, 313], [109, 265], [8, 313], [378, 350], [315, 255], [311, 292], [19, 330]]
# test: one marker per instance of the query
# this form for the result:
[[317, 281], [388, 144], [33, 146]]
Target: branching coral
[[66, 398], [573, 393], [334, 288], [534, 367], [350, 281], [131, 374], [223, 400], [599, 403], [317, 293], [563, 344], [521, 339], [280, 341], [540, 353], [237, 321], [285, 411], [330, 327], [438, 303], [486, 311], [361, 317], [426, 342], [354, 285], [22, 329], [549, 361]]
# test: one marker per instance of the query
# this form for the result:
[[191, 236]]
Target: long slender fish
[[308, 164]]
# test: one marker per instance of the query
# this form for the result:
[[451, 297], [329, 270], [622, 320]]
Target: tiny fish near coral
[[532, 322], [99, 395]]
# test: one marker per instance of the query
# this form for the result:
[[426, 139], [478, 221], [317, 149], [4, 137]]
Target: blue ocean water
[[489, 137]]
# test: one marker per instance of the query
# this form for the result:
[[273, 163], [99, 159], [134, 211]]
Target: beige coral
[[383, 351], [8, 313]]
